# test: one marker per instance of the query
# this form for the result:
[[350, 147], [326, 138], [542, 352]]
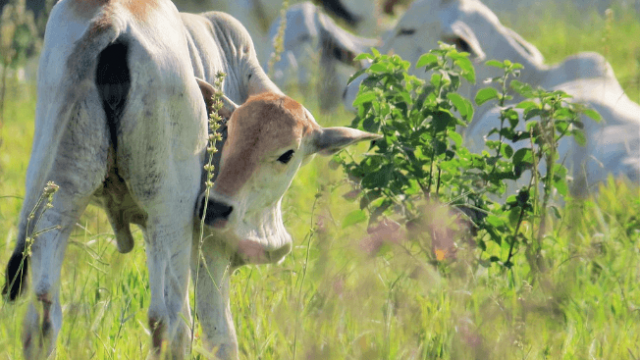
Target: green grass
[[352, 304], [558, 31]]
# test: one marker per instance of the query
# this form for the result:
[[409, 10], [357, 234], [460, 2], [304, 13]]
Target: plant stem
[[502, 119], [304, 273], [515, 233]]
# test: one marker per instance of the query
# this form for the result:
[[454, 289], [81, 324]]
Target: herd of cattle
[[121, 122]]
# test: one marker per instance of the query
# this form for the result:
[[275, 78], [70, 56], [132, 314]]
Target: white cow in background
[[315, 46], [258, 15], [613, 146], [121, 123]]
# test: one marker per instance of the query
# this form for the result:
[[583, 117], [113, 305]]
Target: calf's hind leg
[[40, 329], [78, 167]]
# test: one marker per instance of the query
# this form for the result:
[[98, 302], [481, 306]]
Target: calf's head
[[268, 138]]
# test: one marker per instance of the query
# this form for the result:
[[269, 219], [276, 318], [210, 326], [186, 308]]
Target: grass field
[[332, 298]]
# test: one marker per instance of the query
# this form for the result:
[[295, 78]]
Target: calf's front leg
[[211, 269]]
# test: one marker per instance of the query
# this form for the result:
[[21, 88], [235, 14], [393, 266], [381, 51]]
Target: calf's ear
[[327, 141], [207, 90]]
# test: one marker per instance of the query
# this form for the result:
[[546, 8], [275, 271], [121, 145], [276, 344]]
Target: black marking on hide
[[462, 45], [16, 274], [332, 51], [336, 8], [406, 32], [113, 80]]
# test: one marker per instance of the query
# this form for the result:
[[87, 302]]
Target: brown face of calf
[[269, 138]]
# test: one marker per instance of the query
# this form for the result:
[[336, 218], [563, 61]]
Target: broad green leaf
[[494, 63], [363, 56], [523, 89], [514, 215], [460, 103], [485, 95], [468, 72], [470, 110], [593, 114], [561, 185], [354, 217], [426, 59], [457, 138], [436, 79], [523, 155], [378, 68], [364, 97], [506, 151], [527, 104], [533, 112], [578, 135], [511, 115], [354, 76]]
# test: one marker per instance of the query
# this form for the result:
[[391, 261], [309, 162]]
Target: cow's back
[[160, 118]]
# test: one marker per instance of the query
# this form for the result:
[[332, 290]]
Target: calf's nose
[[216, 213]]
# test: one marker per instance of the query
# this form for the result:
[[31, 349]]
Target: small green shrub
[[422, 162]]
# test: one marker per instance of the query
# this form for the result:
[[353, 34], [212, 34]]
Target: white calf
[[120, 122]]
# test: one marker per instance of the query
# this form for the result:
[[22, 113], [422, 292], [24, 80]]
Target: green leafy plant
[[418, 154], [422, 157], [548, 116]]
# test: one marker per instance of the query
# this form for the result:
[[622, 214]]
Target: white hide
[[314, 45], [160, 148], [257, 15], [470, 25], [586, 76], [160, 163]]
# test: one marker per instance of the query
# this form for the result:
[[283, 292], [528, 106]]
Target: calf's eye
[[286, 157]]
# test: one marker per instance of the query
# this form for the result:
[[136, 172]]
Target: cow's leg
[[211, 270], [176, 288], [168, 263], [78, 167], [40, 329], [168, 233]]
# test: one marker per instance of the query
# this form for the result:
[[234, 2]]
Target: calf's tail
[[16, 273]]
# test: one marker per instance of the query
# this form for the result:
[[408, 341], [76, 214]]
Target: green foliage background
[[352, 305]]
